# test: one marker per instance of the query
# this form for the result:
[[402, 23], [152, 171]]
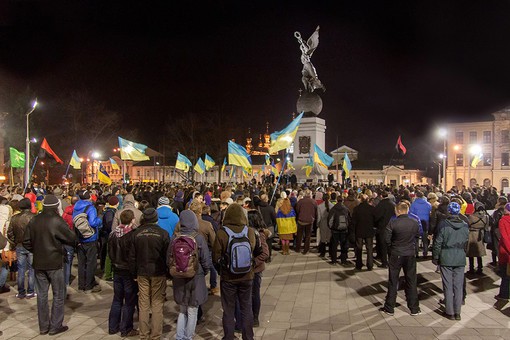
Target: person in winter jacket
[[87, 248], [44, 236], [167, 219], [190, 293], [478, 225], [421, 208], [129, 203], [124, 286], [306, 216], [109, 214], [70, 250], [504, 255], [383, 212], [363, 220], [269, 217], [339, 233], [495, 232], [323, 231], [449, 252]]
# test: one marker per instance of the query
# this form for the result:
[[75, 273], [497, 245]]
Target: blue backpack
[[239, 257]]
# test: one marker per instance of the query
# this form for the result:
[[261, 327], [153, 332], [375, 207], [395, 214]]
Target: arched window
[[472, 182], [504, 183], [486, 182]]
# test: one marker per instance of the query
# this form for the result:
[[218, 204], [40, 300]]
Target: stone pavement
[[304, 297]]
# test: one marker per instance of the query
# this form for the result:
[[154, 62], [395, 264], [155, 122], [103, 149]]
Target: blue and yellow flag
[[132, 151], [281, 140], [477, 159], [114, 164], [224, 164], [237, 155], [268, 161], [209, 162], [75, 161], [103, 176], [308, 167], [290, 166], [321, 158], [182, 163], [200, 166], [347, 166], [232, 169], [245, 172]]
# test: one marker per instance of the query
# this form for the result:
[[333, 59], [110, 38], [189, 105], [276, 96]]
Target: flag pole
[[67, 170], [12, 178], [30, 174], [279, 177]]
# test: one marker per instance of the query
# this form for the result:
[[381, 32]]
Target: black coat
[[402, 235], [268, 214], [147, 255], [45, 236], [384, 211], [363, 220]]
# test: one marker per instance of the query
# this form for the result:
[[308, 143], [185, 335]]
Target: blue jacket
[[421, 208], [94, 221], [167, 219]]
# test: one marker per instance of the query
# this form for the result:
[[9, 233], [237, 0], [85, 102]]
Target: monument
[[312, 129]]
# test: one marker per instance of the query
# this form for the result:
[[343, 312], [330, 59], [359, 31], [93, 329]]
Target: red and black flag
[[46, 150], [400, 147]]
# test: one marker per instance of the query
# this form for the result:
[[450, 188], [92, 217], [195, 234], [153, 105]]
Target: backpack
[[239, 257], [341, 225], [184, 261], [82, 225]]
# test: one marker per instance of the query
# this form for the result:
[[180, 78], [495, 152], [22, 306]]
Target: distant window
[[504, 183], [505, 136], [505, 159], [459, 137], [472, 137], [487, 159], [487, 137], [459, 159]]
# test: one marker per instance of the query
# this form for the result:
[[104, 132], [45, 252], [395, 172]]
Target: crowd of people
[[140, 236]]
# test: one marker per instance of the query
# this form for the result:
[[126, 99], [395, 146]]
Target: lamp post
[[455, 148], [27, 145], [443, 133], [441, 156]]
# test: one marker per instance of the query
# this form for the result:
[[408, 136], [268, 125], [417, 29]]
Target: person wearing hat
[[504, 255], [167, 219], [147, 259], [108, 216], [478, 225], [44, 236], [189, 294], [450, 254], [87, 248], [15, 234]]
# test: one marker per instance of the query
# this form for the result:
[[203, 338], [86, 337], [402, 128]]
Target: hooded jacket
[[451, 242], [167, 219], [68, 216], [94, 221], [268, 214], [118, 249], [421, 208], [129, 203]]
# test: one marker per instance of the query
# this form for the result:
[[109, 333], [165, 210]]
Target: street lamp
[[95, 156], [27, 145], [443, 134]]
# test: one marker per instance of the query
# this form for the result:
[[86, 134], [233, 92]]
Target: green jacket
[[451, 242]]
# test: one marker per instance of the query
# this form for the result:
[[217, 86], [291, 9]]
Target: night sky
[[390, 68]]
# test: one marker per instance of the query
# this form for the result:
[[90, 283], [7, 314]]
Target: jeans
[[305, 229], [255, 301], [4, 272], [408, 264], [424, 239], [25, 260], [337, 238], [230, 292], [123, 305], [43, 280], [213, 278], [186, 323], [504, 288], [87, 263], [151, 298], [68, 263], [369, 244], [453, 282]]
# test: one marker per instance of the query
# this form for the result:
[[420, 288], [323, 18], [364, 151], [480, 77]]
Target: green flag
[[17, 158]]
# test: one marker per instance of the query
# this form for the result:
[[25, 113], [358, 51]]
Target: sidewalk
[[304, 297]]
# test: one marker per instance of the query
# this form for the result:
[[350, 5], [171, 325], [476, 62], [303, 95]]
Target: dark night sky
[[389, 67]]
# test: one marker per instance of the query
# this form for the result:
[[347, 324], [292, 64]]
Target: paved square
[[304, 297]]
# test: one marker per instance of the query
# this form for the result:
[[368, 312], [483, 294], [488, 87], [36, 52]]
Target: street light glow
[[475, 149], [456, 147], [442, 132], [34, 104], [95, 155], [441, 156]]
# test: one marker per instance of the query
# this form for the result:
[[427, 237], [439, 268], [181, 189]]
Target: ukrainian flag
[[237, 155], [114, 164], [182, 163], [103, 176], [75, 161], [200, 166], [283, 139], [290, 166], [308, 167], [224, 164], [477, 159], [347, 166], [132, 151], [268, 161], [321, 158], [209, 162]]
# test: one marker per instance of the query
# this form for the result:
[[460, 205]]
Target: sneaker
[[384, 310], [332, 263], [20, 296], [418, 312], [31, 295], [132, 332], [457, 317], [96, 289], [62, 329]]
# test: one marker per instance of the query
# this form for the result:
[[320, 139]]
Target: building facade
[[394, 175], [489, 141]]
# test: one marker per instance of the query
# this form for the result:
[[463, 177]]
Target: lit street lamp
[[27, 145]]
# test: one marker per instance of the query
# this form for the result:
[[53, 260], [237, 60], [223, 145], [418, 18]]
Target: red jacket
[[68, 216], [31, 196], [504, 243]]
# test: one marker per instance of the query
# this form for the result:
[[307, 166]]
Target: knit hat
[[150, 215], [25, 204], [188, 219], [432, 196], [179, 197], [454, 208], [234, 215], [507, 207], [57, 191], [84, 195], [50, 201], [163, 200], [113, 200], [229, 201]]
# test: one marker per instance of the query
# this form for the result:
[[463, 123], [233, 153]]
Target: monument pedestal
[[312, 130]]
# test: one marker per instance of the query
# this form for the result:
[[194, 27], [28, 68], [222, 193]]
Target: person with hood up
[[87, 248], [190, 293], [449, 252], [422, 208], [178, 203], [129, 203], [167, 219]]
